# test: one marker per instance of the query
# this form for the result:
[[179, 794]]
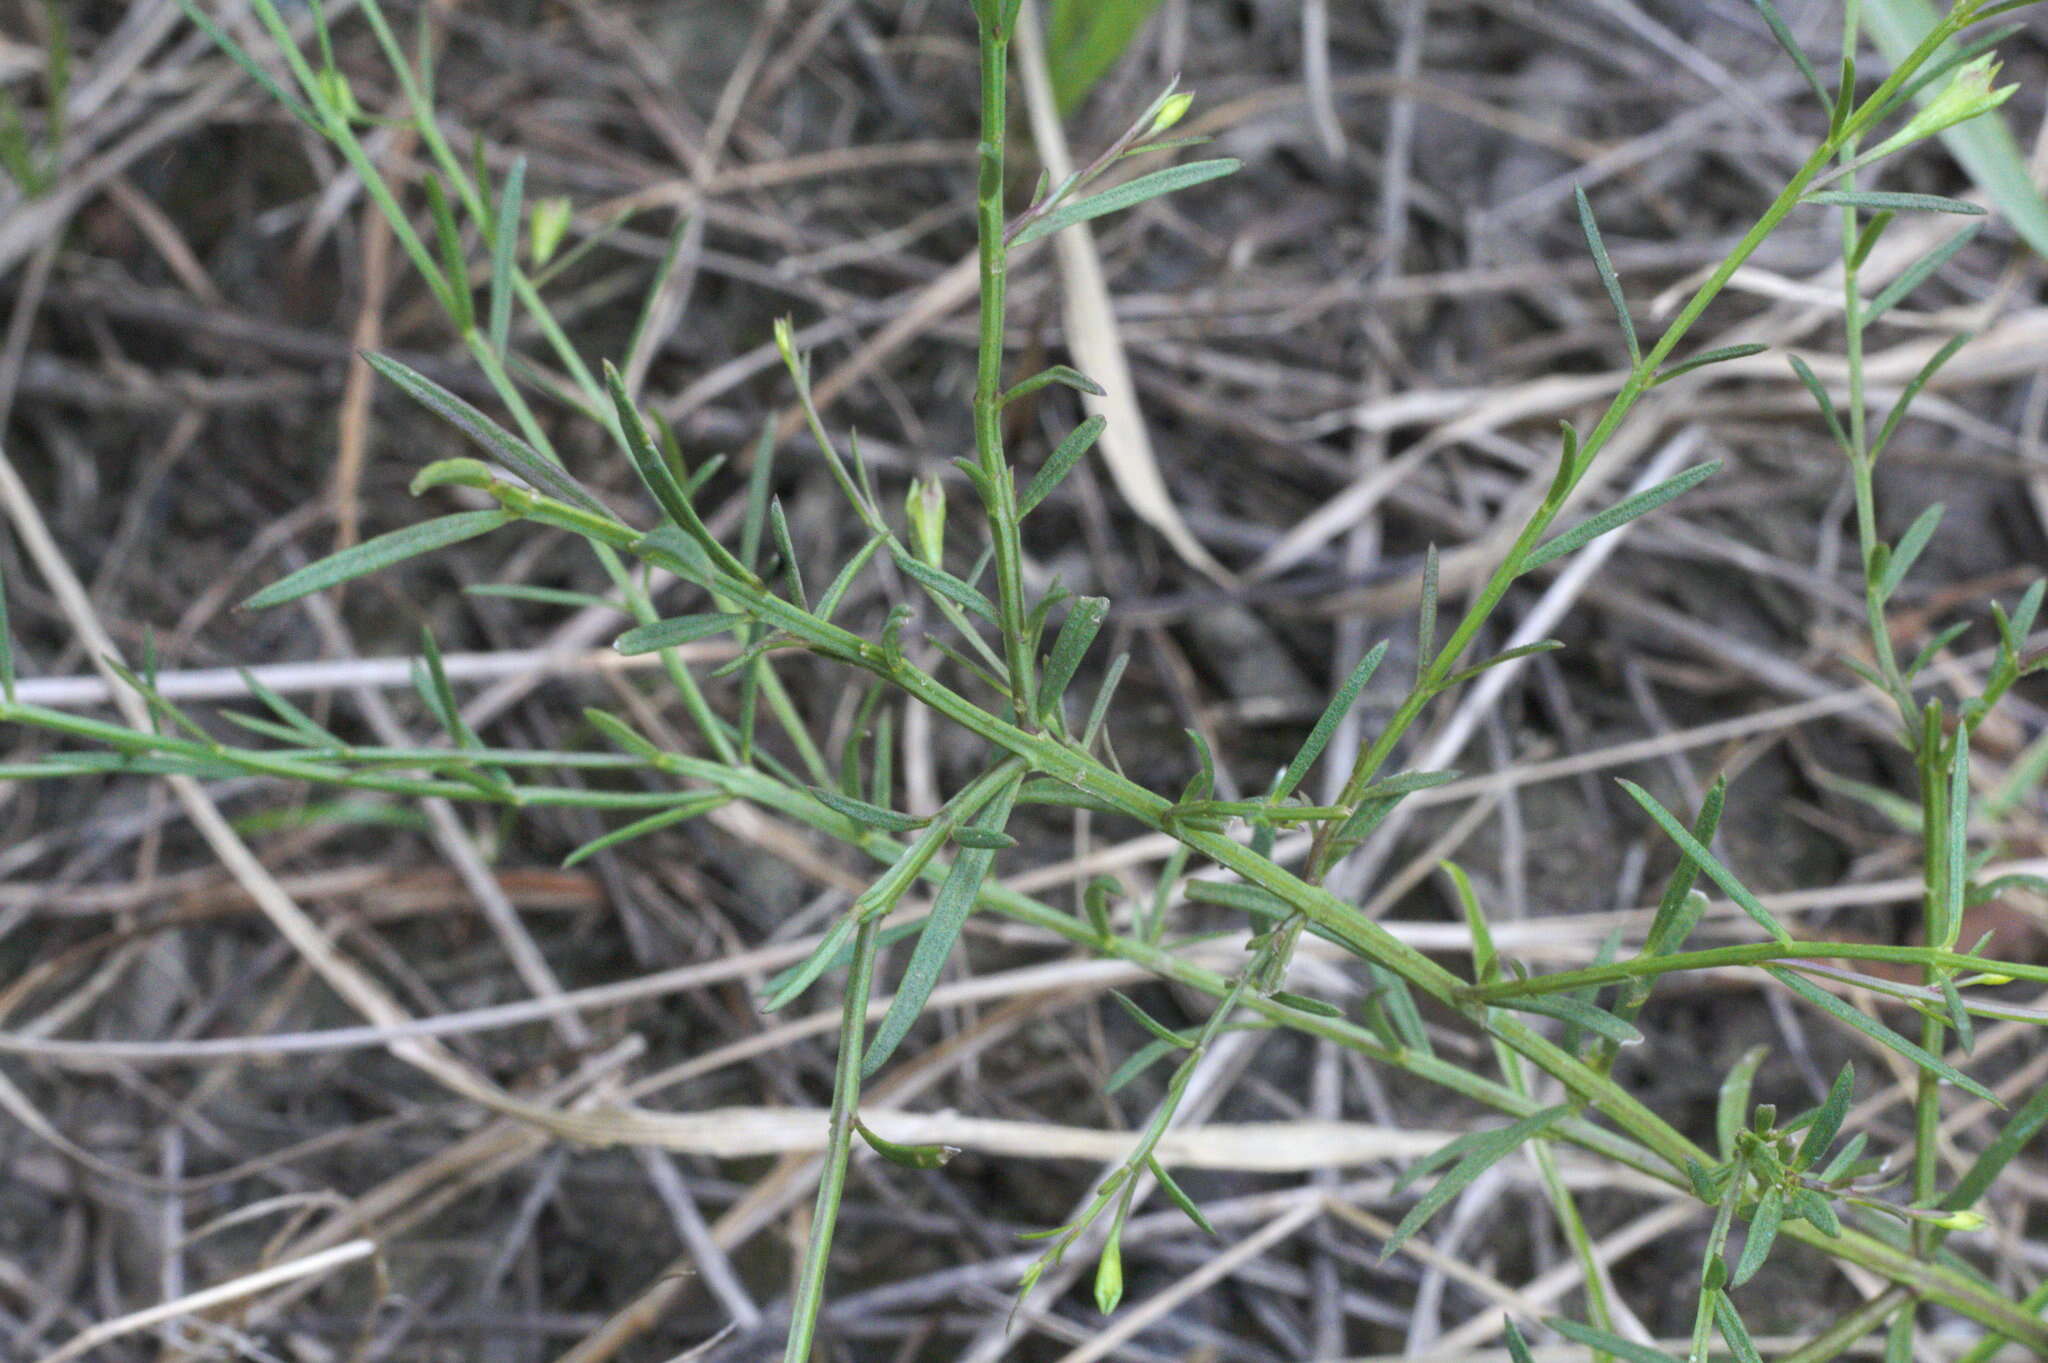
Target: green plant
[[1012, 656], [1084, 38]]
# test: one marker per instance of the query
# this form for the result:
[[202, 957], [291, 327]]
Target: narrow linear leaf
[[1620, 514], [955, 901], [507, 448], [1823, 401], [1888, 201], [1127, 195], [1881, 1034], [1518, 1348], [375, 555], [1792, 49], [909, 1156], [1607, 1342], [1425, 627], [861, 812], [1482, 1154], [1934, 366], [1158, 1030], [1908, 551], [1485, 962], [1326, 723], [2023, 1126], [1733, 1330], [1716, 872], [672, 633], [1084, 620], [640, 828], [1579, 1013], [792, 985], [1060, 463], [1916, 274], [1827, 1122], [1700, 361], [1457, 679], [1065, 375], [1142, 1059], [1176, 1196], [1608, 278], [1763, 1233], [944, 584], [505, 253], [1732, 1105]]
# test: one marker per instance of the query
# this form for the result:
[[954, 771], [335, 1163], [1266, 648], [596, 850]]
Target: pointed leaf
[[955, 900], [1716, 872], [1479, 1155], [1892, 202], [1792, 49], [1916, 274], [1326, 724], [1608, 278], [1908, 552], [1126, 195], [375, 555], [1763, 1233], [1620, 514], [1827, 1123], [1881, 1034], [1059, 463], [507, 448], [672, 633], [1700, 361]]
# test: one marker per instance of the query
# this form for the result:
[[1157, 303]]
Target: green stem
[[997, 487], [853, 1027]]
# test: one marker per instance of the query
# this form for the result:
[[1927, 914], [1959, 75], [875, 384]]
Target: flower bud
[[1171, 111], [925, 506], [548, 227], [1968, 94]]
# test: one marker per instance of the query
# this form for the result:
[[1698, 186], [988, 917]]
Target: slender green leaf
[[1733, 1330], [1912, 390], [1827, 1122], [1892, 202], [955, 900], [1479, 1155], [640, 828], [2013, 1137], [1457, 679], [1716, 872], [1731, 1108], [1792, 49], [1822, 401], [1720, 355], [1578, 1013], [1620, 514], [1881, 1034], [943, 584], [1179, 1198], [672, 633], [375, 555], [1326, 723], [1065, 375], [507, 448], [865, 814], [1127, 195], [505, 253], [791, 985], [1060, 463], [1605, 1341], [1908, 552], [1763, 1233], [909, 1156], [1916, 274], [1084, 619], [1608, 278]]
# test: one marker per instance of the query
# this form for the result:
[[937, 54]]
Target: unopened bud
[[548, 228], [1969, 93], [1172, 111], [925, 506]]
